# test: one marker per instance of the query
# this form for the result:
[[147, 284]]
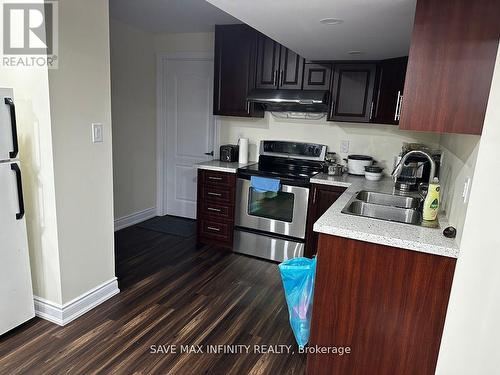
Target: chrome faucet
[[397, 171]]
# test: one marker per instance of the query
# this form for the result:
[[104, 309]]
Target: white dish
[[371, 176]]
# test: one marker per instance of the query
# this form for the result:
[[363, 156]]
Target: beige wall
[[133, 99], [80, 95], [184, 42], [471, 338], [35, 142]]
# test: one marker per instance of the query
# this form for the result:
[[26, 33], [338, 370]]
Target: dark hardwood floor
[[172, 293]]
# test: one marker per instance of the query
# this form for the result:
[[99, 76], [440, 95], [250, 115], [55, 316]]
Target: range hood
[[290, 100]]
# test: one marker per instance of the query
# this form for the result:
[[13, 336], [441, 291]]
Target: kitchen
[[388, 283]]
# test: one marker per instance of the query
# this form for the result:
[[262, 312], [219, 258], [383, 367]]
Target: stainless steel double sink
[[390, 207]]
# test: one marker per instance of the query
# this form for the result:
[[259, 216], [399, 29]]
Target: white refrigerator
[[16, 293]]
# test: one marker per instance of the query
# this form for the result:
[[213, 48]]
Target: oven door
[[284, 212]]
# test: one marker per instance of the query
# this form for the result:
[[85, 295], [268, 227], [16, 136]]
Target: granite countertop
[[405, 236], [222, 166]]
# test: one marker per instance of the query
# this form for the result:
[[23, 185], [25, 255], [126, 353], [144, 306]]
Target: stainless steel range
[[272, 225]]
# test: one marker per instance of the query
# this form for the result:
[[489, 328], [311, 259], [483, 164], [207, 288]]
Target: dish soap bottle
[[431, 202]]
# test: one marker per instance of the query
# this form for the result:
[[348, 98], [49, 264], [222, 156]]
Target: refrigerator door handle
[[10, 103], [20, 197]]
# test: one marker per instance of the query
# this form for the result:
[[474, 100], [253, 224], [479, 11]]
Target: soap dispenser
[[431, 202]]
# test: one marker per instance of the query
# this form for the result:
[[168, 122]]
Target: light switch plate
[[97, 130]]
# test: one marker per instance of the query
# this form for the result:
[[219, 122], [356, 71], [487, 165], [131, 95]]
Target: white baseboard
[[63, 314], [135, 218]]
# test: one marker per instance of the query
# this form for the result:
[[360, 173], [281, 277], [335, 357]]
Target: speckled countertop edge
[[222, 166], [405, 236]]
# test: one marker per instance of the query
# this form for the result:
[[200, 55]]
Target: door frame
[[161, 121]]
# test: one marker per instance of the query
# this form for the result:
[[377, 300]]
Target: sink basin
[[379, 211], [388, 199]]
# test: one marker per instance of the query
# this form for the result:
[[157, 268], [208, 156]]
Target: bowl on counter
[[373, 173]]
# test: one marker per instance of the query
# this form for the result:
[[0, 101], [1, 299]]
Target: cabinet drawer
[[217, 195], [213, 178], [215, 230], [216, 210]]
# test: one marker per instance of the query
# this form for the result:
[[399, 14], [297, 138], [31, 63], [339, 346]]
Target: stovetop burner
[[291, 161]]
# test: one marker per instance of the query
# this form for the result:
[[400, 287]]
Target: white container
[[356, 164], [243, 151], [372, 176]]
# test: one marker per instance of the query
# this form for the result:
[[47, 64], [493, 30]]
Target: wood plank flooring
[[172, 293]]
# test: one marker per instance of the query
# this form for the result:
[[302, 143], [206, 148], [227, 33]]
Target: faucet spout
[[397, 171]]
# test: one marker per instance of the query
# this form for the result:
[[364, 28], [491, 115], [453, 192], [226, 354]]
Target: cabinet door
[[234, 74], [268, 58], [452, 56], [352, 92], [317, 76], [291, 69], [391, 78], [321, 197]]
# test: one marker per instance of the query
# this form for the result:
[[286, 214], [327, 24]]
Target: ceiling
[[378, 28], [169, 16]]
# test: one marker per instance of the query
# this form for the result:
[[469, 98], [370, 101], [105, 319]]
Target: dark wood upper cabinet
[[352, 92], [291, 69], [450, 67], [268, 62], [234, 70], [317, 76], [321, 198], [277, 66], [389, 86]]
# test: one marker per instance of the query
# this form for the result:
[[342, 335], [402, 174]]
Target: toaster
[[229, 153]]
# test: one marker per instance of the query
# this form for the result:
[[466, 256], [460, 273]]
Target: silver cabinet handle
[[396, 113], [248, 107], [214, 209], [214, 229], [275, 76], [400, 106], [282, 77], [215, 194], [214, 178], [371, 111]]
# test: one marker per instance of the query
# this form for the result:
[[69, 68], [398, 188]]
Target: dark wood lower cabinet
[[215, 208], [321, 197], [387, 304]]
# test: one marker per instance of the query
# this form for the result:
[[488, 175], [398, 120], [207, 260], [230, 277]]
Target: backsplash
[[383, 142], [459, 161]]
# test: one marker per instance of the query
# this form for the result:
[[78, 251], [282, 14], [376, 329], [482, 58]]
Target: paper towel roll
[[243, 152]]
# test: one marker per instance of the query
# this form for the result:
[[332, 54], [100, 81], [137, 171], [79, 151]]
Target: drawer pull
[[214, 209], [214, 229], [214, 194], [214, 178]]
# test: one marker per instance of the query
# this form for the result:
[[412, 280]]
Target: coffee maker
[[417, 168]]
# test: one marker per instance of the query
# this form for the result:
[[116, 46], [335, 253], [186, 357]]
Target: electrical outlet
[[344, 147], [97, 136], [465, 192]]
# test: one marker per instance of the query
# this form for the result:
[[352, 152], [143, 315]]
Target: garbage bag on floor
[[298, 276]]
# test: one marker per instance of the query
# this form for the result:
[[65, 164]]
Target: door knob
[[211, 153]]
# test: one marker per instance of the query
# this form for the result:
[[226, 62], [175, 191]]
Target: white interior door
[[190, 129], [16, 295]]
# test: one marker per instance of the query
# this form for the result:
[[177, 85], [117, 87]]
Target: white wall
[[184, 42], [79, 95], [31, 92], [471, 339], [133, 100]]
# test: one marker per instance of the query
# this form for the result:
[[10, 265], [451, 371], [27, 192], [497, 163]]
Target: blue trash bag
[[298, 276]]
